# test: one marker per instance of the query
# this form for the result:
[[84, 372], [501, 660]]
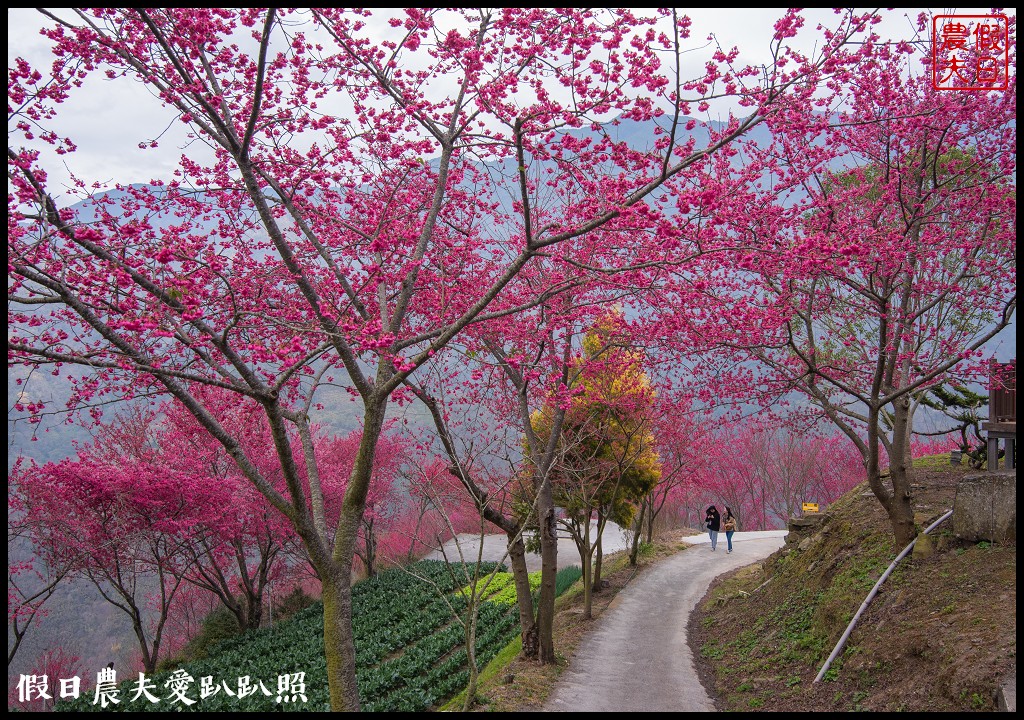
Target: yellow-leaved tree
[[607, 461]]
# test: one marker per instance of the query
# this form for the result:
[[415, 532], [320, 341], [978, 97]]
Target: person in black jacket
[[713, 521]]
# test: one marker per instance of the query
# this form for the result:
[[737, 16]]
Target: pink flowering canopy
[[352, 202], [876, 261], [364, 200]]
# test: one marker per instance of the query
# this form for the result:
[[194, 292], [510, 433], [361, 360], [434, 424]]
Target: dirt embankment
[[941, 634]]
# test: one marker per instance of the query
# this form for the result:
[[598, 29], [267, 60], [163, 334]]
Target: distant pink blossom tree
[[383, 500], [121, 527], [236, 551], [53, 664], [31, 580], [433, 495], [764, 470], [683, 446]]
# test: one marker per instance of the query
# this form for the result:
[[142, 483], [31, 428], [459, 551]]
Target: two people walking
[[717, 523]]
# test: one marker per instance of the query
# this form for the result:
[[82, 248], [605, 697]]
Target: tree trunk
[[253, 613], [336, 574], [371, 549], [652, 513], [638, 529], [588, 591], [148, 658], [901, 513], [549, 568], [599, 553], [240, 610], [521, 577], [339, 642], [897, 503], [581, 536], [19, 635], [531, 640], [470, 640], [908, 453], [416, 532], [901, 508]]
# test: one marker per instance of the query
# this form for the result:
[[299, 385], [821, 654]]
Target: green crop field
[[410, 653]]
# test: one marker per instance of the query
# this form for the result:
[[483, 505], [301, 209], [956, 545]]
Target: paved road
[[636, 659], [494, 547]]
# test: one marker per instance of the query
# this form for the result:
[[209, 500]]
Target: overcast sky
[[110, 120]]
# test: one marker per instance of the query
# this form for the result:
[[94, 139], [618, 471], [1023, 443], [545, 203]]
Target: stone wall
[[985, 507], [804, 527]]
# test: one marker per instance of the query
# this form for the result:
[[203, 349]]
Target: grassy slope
[[940, 635]]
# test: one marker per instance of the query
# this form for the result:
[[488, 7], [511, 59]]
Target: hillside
[[941, 635]]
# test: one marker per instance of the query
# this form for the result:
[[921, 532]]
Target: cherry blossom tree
[[383, 500], [119, 526], [52, 665], [199, 523], [192, 605], [889, 271], [683, 445], [607, 462], [493, 500], [31, 580], [516, 368], [360, 203], [235, 552], [764, 470], [427, 500]]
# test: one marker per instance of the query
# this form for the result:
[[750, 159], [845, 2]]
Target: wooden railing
[[1002, 392]]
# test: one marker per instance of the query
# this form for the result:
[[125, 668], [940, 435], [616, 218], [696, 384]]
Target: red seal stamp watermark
[[970, 52]]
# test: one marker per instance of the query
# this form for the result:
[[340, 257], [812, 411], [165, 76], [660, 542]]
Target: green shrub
[[219, 625], [298, 599]]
